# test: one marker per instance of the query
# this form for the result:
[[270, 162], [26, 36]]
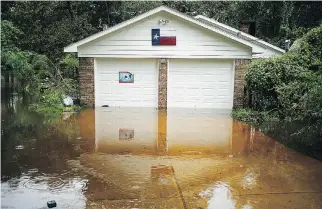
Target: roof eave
[[70, 48]]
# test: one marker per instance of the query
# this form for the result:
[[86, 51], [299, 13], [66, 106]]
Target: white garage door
[[200, 83], [142, 93]]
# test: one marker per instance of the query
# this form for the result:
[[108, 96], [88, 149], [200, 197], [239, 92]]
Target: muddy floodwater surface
[[148, 158]]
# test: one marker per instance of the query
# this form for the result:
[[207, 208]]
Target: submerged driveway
[[145, 158]]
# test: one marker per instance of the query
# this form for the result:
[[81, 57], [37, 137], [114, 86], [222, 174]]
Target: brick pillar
[[163, 83], [239, 82], [86, 81]]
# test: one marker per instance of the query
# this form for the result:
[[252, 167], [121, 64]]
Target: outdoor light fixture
[[163, 21]]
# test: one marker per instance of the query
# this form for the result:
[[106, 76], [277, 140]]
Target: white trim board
[[167, 56]]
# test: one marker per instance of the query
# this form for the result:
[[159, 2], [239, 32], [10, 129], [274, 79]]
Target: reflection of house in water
[[147, 131], [161, 132], [87, 130]]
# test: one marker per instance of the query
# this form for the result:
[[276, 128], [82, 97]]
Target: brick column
[[239, 81], [86, 81], [163, 83]]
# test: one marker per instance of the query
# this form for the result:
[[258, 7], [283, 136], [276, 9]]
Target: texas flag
[[163, 37]]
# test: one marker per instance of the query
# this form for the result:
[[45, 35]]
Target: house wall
[[193, 41], [87, 85]]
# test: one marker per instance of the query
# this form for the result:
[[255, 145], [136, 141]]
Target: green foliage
[[51, 102], [254, 117], [9, 36], [290, 84], [302, 99], [41, 79], [311, 46]]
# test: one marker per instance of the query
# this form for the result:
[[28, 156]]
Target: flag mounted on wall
[[163, 37]]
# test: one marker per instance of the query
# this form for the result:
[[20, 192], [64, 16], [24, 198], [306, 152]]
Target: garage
[[143, 92], [200, 83], [166, 59]]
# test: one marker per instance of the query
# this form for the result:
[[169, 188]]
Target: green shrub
[[301, 100], [291, 84], [264, 76], [50, 102]]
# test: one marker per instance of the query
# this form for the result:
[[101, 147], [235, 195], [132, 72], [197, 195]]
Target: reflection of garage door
[[200, 83], [198, 130], [142, 93]]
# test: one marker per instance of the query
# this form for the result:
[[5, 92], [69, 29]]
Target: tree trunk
[[6, 79], [11, 81]]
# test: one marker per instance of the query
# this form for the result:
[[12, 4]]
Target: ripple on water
[[45, 183], [53, 184]]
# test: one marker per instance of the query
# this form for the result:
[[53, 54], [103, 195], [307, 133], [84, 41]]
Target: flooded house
[[163, 58]]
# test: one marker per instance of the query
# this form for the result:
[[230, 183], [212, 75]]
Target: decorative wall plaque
[[126, 77]]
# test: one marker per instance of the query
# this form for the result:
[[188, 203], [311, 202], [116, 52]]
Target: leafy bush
[[311, 47], [301, 100], [49, 102], [291, 84]]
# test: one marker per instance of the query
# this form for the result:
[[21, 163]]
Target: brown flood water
[[145, 158]]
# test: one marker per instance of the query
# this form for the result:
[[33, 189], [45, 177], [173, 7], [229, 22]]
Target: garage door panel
[[204, 83], [150, 92], [141, 93], [108, 77], [190, 78], [209, 98], [208, 78]]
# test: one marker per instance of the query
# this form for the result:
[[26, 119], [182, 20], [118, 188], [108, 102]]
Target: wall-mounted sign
[[126, 77], [163, 37], [126, 134]]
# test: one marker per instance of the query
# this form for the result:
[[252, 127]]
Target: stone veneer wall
[[86, 81], [163, 83], [239, 81]]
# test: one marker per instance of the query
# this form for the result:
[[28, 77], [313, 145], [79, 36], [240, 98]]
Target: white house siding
[[264, 52], [192, 41], [142, 93]]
